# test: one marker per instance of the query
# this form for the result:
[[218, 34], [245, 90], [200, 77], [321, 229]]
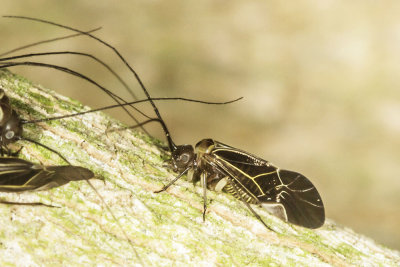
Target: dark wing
[[61, 175], [288, 195], [15, 173], [18, 175]]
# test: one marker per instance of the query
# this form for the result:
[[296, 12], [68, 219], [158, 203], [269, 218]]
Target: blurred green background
[[320, 81]]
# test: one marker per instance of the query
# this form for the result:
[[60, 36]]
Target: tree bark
[[165, 229]]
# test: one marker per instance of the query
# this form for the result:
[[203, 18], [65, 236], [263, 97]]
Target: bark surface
[[165, 229]]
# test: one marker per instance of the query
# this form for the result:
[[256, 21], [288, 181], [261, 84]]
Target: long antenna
[[171, 144], [45, 41], [79, 54], [116, 98], [132, 103], [72, 72]]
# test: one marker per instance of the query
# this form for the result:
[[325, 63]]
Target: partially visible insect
[[11, 128], [288, 195], [17, 175]]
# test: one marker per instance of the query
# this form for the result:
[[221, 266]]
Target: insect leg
[[16, 153], [118, 223], [203, 177], [27, 204], [248, 205], [173, 181], [48, 148]]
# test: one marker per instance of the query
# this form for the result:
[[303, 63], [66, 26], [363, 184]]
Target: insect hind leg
[[27, 203], [248, 205], [10, 153], [276, 209], [203, 177]]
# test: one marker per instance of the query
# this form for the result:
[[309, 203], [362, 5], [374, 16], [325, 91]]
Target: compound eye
[[10, 134], [184, 158]]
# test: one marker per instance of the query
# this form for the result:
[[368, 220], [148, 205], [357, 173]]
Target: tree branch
[[166, 228]]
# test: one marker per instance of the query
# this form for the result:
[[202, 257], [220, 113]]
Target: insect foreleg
[[173, 181]]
